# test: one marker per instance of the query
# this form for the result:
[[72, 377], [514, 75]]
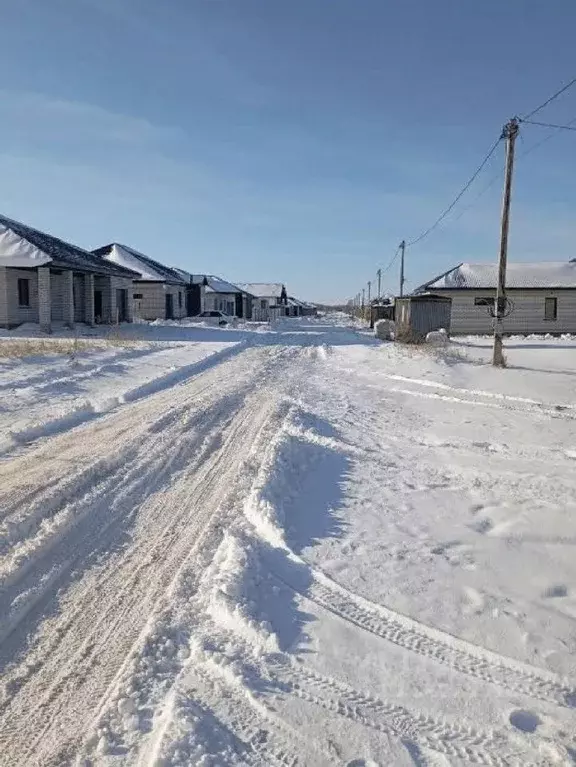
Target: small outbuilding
[[419, 314]]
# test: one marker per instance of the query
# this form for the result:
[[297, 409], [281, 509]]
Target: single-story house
[[159, 291], [298, 308], [195, 293], [223, 296], [270, 300], [541, 297], [44, 279]]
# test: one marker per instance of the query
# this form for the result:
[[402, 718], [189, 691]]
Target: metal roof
[[29, 247], [147, 268], [467, 276]]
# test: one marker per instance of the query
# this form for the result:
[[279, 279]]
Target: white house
[[270, 300], [44, 279], [541, 297], [159, 291]]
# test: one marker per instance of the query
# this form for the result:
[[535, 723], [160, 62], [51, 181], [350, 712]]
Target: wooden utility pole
[[509, 133], [402, 253], [369, 303], [362, 313], [379, 275]]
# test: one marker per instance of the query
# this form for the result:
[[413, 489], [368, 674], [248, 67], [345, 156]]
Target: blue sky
[[293, 141]]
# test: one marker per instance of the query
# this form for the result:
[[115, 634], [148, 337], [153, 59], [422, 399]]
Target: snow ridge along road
[[100, 520]]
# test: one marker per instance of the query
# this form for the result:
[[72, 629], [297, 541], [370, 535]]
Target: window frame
[[24, 292], [554, 304], [484, 301]]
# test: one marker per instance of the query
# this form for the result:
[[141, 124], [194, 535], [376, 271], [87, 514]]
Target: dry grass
[[31, 347]]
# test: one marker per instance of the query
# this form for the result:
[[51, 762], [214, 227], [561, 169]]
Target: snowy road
[[315, 550]]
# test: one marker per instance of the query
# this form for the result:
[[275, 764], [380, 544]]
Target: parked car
[[216, 318]]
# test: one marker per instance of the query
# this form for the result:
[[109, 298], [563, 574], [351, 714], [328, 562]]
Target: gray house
[[159, 291], [223, 296], [541, 297], [44, 279]]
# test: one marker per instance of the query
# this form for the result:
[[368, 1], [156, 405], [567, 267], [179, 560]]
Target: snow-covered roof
[[216, 284], [551, 274], [148, 269], [297, 302], [263, 289], [25, 247]]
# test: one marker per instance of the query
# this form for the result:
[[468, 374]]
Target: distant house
[[297, 308], [159, 291], [44, 279], [223, 296], [270, 300], [541, 297]]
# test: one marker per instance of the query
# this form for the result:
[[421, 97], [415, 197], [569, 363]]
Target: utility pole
[[509, 133], [402, 253], [379, 275], [369, 303], [363, 304]]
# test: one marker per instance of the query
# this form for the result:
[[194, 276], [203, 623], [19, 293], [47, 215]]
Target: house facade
[[44, 280], [541, 297], [223, 296], [270, 300], [159, 291]]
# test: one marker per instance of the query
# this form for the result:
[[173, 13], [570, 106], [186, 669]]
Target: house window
[[483, 301], [263, 303], [179, 299], [138, 295], [550, 308], [23, 292]]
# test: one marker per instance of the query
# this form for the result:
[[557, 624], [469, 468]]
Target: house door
[[169, 306], [122, 304], [239, 312], [98, 305]]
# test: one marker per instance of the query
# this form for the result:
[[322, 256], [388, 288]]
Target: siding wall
[[527, 316], [152, 305]]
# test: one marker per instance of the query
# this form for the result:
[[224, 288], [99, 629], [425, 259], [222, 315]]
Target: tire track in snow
[[433, 644], [76, 657], [448, 739]]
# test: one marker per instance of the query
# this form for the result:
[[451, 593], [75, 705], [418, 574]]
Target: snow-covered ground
[[288, 545]]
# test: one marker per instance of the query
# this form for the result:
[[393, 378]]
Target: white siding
[[527, 315]]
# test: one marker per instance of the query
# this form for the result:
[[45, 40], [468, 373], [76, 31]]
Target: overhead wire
[[548, 125], [458, 197], [522, 154], [549, 100]]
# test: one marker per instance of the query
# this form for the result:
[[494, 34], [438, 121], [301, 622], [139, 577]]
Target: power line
[[525, 153], [392, 261], [548, 101], [458, 197], [548, 125]]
